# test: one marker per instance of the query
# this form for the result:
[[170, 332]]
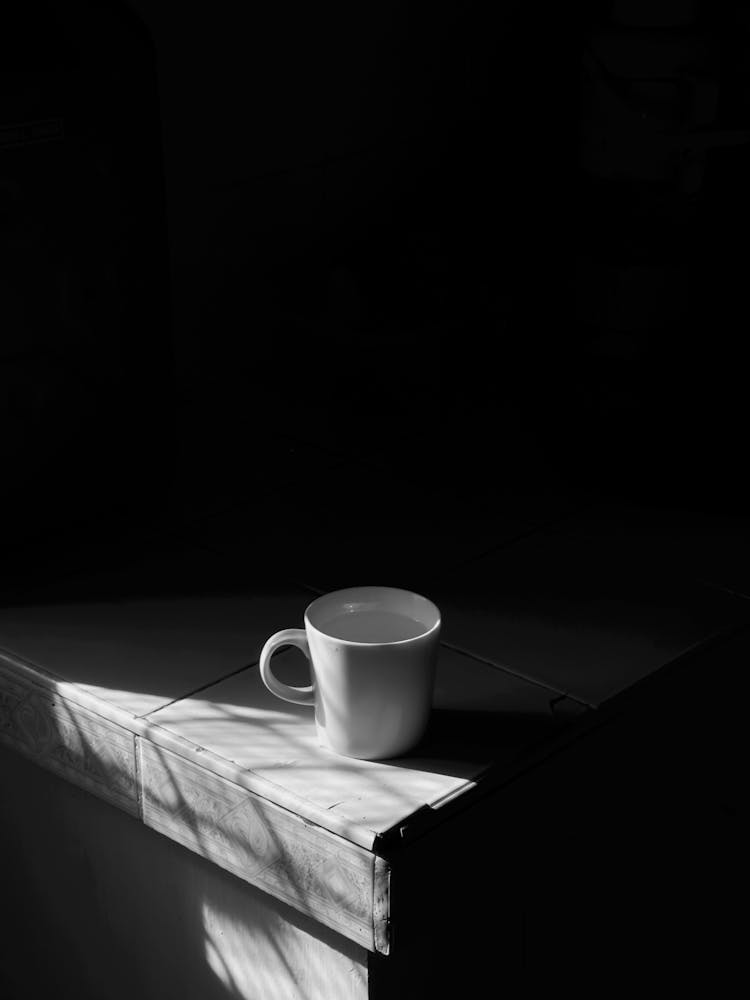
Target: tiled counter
[[139, 685]]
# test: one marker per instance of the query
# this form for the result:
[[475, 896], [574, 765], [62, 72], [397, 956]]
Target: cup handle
[[287, 637]]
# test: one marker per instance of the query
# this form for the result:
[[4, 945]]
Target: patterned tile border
[[339, 883], [309, 868], [70, 740]]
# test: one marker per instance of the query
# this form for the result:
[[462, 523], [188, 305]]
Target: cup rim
[[393, 590]]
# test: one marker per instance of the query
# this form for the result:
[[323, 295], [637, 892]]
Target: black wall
[[383, 239], [384, 233]]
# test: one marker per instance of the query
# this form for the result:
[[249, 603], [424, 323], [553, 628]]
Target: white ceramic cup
[[373, 653]]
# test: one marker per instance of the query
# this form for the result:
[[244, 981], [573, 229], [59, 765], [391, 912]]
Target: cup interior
[[373, 615]]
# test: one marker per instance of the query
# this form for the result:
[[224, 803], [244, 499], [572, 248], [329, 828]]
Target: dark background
[[466, 243], [440, 238]]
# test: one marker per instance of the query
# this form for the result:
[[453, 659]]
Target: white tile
[[701, 546], [152, 631], [312, 871], [577, 614], [482, 717], [61, 736]]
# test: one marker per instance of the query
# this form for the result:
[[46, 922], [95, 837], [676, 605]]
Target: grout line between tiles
[[137, 775], [490, 663], [515, 673], [203, 687]]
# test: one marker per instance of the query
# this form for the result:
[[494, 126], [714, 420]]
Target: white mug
[[373, 653]]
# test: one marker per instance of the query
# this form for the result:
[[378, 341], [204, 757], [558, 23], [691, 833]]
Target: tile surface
[[578, 613], [67, 739], [482, 717], [146, 633], [319, 874], [700, 546]]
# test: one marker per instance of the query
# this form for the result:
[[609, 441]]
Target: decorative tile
[[66, 738], [309, 868]]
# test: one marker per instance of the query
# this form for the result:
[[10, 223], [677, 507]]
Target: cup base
[[374, 755]]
